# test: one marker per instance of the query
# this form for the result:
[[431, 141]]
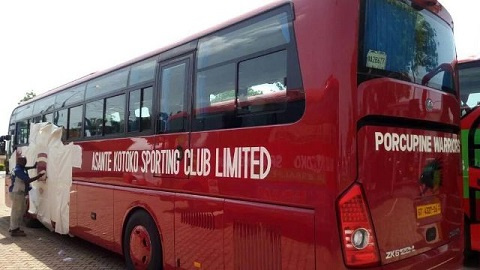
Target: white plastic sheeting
[[50, 200]]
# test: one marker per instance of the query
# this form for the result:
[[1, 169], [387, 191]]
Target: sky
[[45, 44]]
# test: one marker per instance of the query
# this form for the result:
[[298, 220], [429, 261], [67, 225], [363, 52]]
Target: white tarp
[[50, 200]]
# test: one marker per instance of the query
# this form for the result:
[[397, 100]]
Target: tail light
[[358, 236]]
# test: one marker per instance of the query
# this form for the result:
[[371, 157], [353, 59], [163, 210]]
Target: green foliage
[[227, 95], [230, 95], [420, 52], [2, 167], [28, 96]]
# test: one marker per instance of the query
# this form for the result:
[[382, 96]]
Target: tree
[[28, 96]]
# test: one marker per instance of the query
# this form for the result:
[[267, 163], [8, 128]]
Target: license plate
[[428, 210]]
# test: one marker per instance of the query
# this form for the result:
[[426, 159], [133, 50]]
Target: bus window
[[215, 97], [140, 108], [107, 83], [75, 122], [115, 115], [94, 118], [37, 119], [142, 72], [44, 105], [255, 88], [172, 104], [61, 118], [47, 118], [22, 132], [24, 111], [242, 75], [70, 96], [134, 105], [421, 50]]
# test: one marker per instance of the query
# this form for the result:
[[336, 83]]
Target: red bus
[[303, 135], [469, 81]]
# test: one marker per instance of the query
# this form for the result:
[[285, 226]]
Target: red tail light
[[356, 229]]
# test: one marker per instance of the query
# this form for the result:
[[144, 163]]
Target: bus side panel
[[199, 232], [262, 236], [160, 205], [95, 217]]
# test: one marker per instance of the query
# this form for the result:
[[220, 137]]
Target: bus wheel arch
[[141, 242]]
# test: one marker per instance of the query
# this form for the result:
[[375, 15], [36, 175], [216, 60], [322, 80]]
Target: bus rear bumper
[[449, 256]]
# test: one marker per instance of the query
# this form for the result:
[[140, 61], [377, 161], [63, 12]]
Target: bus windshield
[[405, 43]]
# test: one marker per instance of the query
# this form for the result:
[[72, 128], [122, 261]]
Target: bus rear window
[[405, 43]]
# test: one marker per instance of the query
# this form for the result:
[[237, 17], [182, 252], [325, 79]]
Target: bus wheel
[[141, 243]]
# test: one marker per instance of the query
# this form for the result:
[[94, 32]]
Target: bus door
[[167, 161], [193, 215]]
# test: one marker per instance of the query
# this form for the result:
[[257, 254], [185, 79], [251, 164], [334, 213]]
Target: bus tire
[[141, 243]]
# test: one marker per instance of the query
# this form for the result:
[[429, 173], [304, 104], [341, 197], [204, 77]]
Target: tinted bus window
[[220, 82], [61, 118], [172, 104], [107, 83], [140, 108], [94, 118], [38, 119], [70, 96], [24, 111], [271, 82], [142, 72], [44, 105], [114, 115], [47, 118], [406, 44], [242, 75], [22, 132], [255, 36], [75, 122], [133, 106], [13, 117]]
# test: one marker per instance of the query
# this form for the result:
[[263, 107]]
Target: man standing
[[18, 190]]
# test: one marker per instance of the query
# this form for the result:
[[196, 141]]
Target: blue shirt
[[20, 172]]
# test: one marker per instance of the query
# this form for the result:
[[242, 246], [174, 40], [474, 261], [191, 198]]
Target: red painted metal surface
[[279, 211]]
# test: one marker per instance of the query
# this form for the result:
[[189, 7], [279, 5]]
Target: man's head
[[21, 160]]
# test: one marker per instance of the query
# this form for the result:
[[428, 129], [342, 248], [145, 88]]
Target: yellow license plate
[[428, 210]]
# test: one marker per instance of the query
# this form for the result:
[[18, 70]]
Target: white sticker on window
[[376, 59]]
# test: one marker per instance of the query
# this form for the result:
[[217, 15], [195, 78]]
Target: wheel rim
[[140, 247]]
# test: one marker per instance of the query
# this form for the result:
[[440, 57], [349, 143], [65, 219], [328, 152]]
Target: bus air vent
[[256, 247]]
